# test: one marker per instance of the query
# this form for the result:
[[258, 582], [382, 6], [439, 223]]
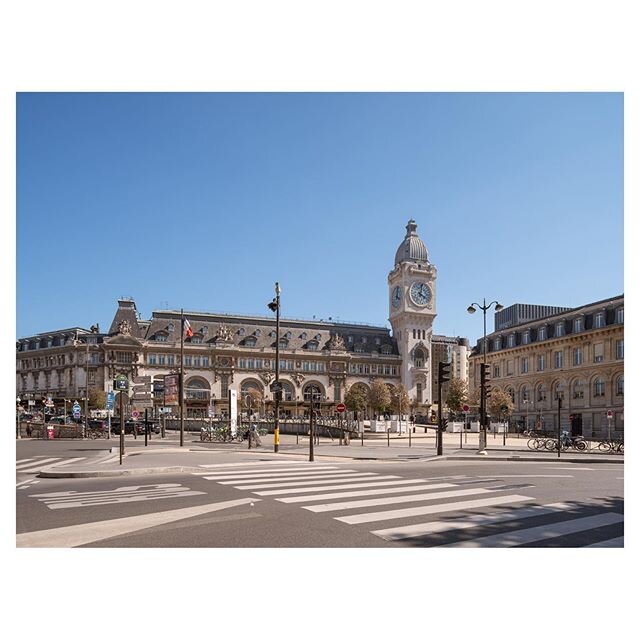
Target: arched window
[[312, 391], [578, 390], [598, 388], [419, 358], [620, 386]]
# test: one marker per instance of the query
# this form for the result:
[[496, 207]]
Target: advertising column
[[233, 411]]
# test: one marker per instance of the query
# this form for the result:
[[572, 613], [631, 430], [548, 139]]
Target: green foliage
[[457, 394], [497, 400], [399, 398], [97, 399], [356, 398], [379, 395]]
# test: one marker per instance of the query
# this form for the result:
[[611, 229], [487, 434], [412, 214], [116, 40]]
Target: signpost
[[465, 409]]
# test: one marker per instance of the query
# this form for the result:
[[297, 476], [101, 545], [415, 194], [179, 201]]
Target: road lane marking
[[356, 485], [285, 474], [74, 499], [365, 492], [437, 508], [21, 466], [424, 528], [300, 483], [253, 464], [256, 473], [377, 502], [544, 532], [610, 544], [518, 475], [347, 473], [81, 534]]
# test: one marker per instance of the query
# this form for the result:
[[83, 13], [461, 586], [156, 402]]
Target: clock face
[[420, 294], [396, 297]]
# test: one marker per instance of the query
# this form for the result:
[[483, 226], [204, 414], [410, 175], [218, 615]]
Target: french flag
[[188, 331]]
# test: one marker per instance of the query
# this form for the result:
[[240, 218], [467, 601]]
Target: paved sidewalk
[[164, 455]]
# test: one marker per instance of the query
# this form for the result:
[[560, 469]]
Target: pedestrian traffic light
[[444, 372]]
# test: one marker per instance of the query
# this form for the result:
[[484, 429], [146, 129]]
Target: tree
[[379, 396], [356, 398], [457, 394], [499, 400], [256, 399], [97, 399], [399, 398]]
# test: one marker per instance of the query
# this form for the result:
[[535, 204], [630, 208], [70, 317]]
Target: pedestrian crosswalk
[[74, 499], [442, 511], [39, 463]]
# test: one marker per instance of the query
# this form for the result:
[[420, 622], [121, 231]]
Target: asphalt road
[[270, 501]]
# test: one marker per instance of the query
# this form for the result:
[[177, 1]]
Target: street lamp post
[[18, 418], [560, 394], [274, 305], [482, 443]]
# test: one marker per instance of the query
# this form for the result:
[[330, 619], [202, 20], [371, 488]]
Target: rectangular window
[[305, 366], [152, 359], [496, 371], [124, 357], [92, 378], [559, 329], [511, 340], [541, 362], [599, 321], [321, 366], [578, 325], [524, 365], [525, 337], [187, 361], [419, 392], [161, 359], [387, 370], [242, 363], [509, 367], [251, 364], [619, 349], [224, 386], [394, 371], [598, 352], [196, 361], [557, 360], [577, 356], [171, 360], [205, 361], [542, 333], [620, 315]]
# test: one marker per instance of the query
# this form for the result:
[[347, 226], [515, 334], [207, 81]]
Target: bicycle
[[614, 446], [94, 434]]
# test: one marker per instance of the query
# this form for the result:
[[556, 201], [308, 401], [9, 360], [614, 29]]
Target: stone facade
[[577, 354]]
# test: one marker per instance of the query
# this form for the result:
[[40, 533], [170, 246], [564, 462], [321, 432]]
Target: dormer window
[[359, 348], [542, 333], [283, 343], [526, 338], [250, 341], [303, 335], [161, 337], [272, 334], [578, 325], [559, 329], [385, 349], [312, 345], [497, 344], [170, 327], [241, 331], [196, 339], [511, 340], [620, 315], [288, 335], [318, 337], [598, 321], [257, 333], [204, 331]]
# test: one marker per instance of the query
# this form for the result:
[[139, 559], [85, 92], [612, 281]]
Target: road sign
[[121, 383], [275, 386], [210, 411], [142, 379], [76, 410], [134, 414], [341, 408], [609, 414], [111, 396], [465, 408]]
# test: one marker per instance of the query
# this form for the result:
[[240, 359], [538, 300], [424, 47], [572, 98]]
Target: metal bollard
[[409, 437], [387, 437]]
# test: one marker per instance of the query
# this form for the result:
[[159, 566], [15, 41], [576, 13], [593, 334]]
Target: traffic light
[[444, 372], [484, 374], [487, 391]]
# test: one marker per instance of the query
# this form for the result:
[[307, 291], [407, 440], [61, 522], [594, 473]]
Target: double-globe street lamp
[[274, 305], [482, 441]]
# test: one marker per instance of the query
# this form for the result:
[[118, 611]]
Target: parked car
[[59, 420], [129, 426], [100, 425]]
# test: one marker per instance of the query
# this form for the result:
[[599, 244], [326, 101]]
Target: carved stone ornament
[[297, 378], [336, 343], [266, 377], [223, 361], [124, 328], [224, 334]]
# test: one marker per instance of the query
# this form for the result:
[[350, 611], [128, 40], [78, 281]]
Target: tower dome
[[411, 249]]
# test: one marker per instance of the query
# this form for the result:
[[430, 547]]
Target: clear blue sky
[[203, 201]]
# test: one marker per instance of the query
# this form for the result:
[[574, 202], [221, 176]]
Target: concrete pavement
[[164, 455]]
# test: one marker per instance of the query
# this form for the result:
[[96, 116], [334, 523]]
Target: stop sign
[[341, 408]]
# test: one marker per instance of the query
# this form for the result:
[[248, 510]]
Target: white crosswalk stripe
[[544, 532], [74, 499], [613, 543], [330, 487], [44, 463], [377, 502]]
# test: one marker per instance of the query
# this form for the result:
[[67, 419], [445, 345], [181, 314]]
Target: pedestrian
[[255, 436]]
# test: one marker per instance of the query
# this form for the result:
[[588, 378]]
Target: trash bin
[[50, 433]]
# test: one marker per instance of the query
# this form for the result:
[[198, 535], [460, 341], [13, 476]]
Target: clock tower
[[412, 310]]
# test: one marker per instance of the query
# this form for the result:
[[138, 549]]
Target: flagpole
[[181, 377]]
